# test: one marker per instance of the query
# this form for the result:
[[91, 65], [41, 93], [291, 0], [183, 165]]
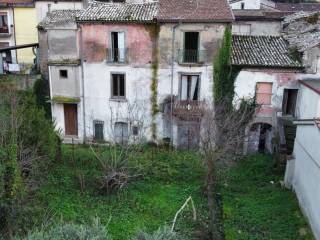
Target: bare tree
[[222, 137]]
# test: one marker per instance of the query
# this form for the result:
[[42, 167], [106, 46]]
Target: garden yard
[[257, 207]]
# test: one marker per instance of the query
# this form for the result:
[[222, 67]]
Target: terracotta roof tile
[[194, 11], [262, 51], [59, 17], [121, 12]]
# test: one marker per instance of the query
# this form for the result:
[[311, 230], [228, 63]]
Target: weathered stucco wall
[[245, 87], [68, 87], [97, 39], [260, 28], [304, 169], [63, 44], [210, 38]]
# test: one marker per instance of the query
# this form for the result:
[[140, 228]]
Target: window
[[242, 5], [121, 132], [263, 93], [189, 87], [289, 101], [4, 28], [135, 130], [98, 130], [118, 48], [118, 86], [63, 73], [191, 47]]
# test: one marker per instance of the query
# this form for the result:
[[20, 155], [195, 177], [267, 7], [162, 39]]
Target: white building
[[303, 170], [252, 4]]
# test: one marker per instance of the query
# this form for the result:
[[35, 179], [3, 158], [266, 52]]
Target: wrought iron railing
[[117, 55], [4, 29], [188, 108], [192, 56]]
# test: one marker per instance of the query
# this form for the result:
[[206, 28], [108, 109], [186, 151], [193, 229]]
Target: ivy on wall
[[154, 33], [224, 74]]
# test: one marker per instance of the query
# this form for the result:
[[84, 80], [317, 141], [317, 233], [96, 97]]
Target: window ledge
[[117, 63], [118, 99], [192, 64]]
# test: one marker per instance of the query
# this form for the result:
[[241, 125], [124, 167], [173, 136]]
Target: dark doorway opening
[[191, 47], [260, 138], [289, 101]]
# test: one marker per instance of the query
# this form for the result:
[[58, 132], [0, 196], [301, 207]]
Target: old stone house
[[122, 71]]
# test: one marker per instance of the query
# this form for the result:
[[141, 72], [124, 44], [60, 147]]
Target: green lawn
[[148, 203], [256, 207]]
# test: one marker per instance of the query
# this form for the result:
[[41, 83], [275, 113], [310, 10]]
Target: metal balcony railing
[[117, 55], [4, 29], [192, 56], [188, 108]]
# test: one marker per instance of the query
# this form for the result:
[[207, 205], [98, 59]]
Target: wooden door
[[71, 119], [188, 135]]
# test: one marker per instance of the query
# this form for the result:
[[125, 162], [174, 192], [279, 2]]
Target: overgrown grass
[[148, 203], [256, 207]]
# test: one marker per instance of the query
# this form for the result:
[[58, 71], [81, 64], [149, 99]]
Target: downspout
[[83, 87], [172, 78], [14, 32]]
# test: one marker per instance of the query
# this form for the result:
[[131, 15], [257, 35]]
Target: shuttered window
[[98, 130], [263, 93], [118, 86]]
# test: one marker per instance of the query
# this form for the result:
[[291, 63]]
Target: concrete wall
[[248, 4], [258, 28], [63, 44], [304, 170], [42, 7], [68, 87], [26, 32]]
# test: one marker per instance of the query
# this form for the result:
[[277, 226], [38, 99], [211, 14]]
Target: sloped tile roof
[[296, 7], [120, 12], [262, 51], [194, 11], [59, 17]]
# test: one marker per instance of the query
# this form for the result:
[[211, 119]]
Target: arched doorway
[[260, 138]]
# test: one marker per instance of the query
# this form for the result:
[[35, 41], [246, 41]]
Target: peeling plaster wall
[[306, 165], [68, 87], [63, 44], [97, 40], [245, 86], [97, 75], [260, 28]]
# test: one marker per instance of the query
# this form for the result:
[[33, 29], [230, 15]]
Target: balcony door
[[118, 48], [191, 47], [189, 87]]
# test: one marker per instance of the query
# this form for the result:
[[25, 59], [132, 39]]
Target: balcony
[[192, 56], [188, 110], [4, 31], [117, 55]]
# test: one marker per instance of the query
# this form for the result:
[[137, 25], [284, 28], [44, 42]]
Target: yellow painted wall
[[25, 21]]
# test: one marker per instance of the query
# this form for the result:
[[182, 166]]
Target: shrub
[[163, 233], [72, 232]]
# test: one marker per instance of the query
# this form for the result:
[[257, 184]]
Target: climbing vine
[[224, 74], [154, 33]]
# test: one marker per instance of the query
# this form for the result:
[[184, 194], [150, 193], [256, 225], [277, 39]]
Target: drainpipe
[[14, 33], [172, 78], [83, 87]]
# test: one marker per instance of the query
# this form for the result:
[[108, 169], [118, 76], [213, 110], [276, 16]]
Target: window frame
[[95, 122], [111, 86], [180, 84], [7, 18]]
